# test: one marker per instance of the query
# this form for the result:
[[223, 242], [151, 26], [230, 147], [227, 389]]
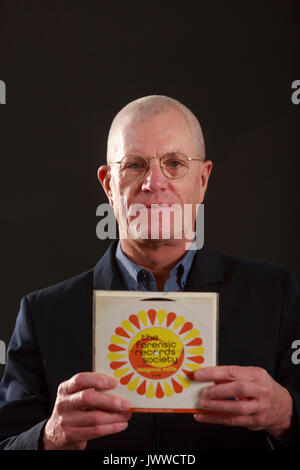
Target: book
[[152, 342]]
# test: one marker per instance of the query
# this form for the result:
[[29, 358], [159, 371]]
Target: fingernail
[[123, 425]]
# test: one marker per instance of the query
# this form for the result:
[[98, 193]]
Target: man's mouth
[[154, 205]]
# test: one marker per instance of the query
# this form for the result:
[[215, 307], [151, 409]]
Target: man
[[50, 399]]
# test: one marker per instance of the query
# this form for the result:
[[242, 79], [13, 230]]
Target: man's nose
[[154, 179]]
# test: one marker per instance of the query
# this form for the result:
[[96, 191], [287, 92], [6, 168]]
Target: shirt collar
[[132, 270]]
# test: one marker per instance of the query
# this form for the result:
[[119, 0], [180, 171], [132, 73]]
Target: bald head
[[144, 109]]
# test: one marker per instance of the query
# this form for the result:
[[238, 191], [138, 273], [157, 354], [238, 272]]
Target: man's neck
[[158, 257]]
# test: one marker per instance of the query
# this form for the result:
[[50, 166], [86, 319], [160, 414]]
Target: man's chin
[[160, 238], [155, 243]]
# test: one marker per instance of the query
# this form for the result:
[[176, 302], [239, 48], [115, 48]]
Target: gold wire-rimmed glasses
[[173, 165]]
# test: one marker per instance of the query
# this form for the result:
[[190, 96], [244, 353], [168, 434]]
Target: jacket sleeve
[[24, 404], [288, 360]]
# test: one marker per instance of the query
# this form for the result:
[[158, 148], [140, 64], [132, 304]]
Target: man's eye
[[174, 163], [134, 166]]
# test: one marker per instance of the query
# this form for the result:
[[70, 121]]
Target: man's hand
[[245, 396], [84, 411]]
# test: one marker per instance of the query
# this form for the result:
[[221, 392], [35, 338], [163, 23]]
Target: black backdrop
[[70, 66]]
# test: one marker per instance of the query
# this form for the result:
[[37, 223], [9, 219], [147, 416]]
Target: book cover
[[152, 342]]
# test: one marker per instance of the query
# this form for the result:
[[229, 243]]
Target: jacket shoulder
[[258, 269], [75, 285]]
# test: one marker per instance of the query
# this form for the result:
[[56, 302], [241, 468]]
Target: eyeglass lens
[[173, 165]]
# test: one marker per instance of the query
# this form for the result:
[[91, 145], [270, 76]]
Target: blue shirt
[[141, 279]]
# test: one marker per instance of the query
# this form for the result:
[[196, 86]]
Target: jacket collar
[[107, 275], [205, 271]]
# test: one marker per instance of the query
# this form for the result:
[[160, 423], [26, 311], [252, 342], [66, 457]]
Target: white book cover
[[152, 342]]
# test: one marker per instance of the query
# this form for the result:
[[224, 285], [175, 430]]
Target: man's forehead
[[161, 133]]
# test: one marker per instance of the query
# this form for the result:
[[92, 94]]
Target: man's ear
[[205, 173], [105, 179]]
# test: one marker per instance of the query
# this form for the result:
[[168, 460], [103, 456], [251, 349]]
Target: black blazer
[[259, 317]]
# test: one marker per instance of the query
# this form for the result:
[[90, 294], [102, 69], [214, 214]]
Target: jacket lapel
[[206, 272], [107, 275]]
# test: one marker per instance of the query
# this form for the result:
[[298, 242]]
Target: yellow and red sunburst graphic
[[155, 353]]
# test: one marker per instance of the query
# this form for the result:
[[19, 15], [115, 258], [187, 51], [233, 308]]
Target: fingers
[[234, 399], [90, 399], [229, 373], [93, 418], [230, 406], [84, 410], [243, 396], [86, 380], [222, 398], [86, 390], [241, 389]]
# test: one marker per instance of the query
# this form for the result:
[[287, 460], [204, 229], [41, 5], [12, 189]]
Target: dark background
[[70, 66]]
